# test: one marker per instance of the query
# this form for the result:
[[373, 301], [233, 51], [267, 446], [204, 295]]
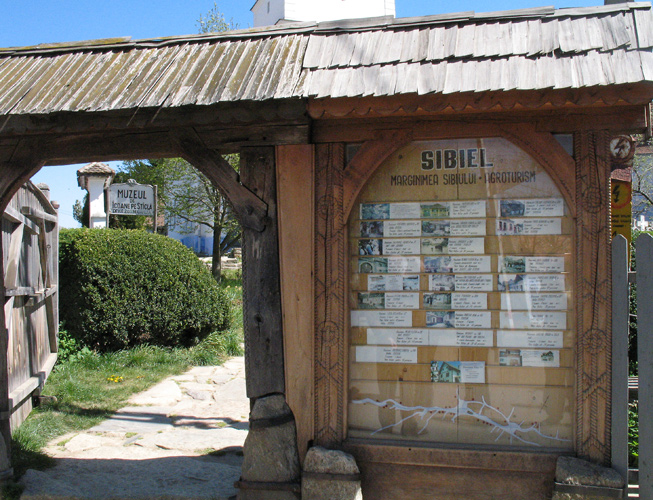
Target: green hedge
[[121, 288]]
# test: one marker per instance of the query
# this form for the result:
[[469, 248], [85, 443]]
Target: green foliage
[[633, 435], [80, 211], [189, 199], [125, 288], [214, 22]]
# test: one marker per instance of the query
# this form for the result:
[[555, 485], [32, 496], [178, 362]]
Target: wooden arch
[[251, 193], [542, 146]]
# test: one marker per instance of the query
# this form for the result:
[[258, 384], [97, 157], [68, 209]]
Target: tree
[[642, 183], [80, 211], [188, 196], [214, 22]]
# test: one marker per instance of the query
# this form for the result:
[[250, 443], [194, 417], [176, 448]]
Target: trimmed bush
[[121, 288]]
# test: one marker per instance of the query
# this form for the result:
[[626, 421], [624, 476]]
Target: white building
[[269, 12], [96, 178]]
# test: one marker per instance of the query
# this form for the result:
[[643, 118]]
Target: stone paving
[[181, 439]]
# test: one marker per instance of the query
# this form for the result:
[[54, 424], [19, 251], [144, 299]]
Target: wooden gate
[[30, 249]]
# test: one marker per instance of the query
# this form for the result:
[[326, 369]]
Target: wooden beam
[[250, 210], [295, 202], [38, 215], [262, 313]]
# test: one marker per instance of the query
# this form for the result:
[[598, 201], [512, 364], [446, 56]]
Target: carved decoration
[[593, 289], [330, 321]]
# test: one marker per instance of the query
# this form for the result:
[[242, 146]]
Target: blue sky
[[30, 22]]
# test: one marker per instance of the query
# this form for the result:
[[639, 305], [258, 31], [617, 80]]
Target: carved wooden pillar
[[261, 281], [330, 339], [593, 296]]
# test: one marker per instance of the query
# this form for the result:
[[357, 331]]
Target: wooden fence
[[621, 278], [30, 249]]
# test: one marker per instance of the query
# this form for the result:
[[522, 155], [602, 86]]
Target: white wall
[[96, 201], [319, 10]]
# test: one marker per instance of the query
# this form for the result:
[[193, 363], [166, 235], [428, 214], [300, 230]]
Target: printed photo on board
[[438, 264], [435, 246], [411, 283], [375, 211], [436, 228], [513, 265], [445, 371], [510, 282], [373, 229], [368, 265], [510, 357], [442, 283], [437, 301], [512, 208], [441, 319], [371, 300], [370, 247], [508, 227], [434, 210]]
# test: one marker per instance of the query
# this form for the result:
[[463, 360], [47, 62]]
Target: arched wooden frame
[[337, 187], [252, 194]]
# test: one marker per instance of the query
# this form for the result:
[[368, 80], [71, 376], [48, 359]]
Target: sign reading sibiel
[[131, 199]]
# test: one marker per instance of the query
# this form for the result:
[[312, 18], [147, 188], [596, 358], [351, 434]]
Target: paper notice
[[397, 336], [541, 358], [531, 282], [480, 264], [534, 301], [470, 283], [435, 210], [466, 319], [435, 246], [466, 245], [468, 227], [402, 228], [463, 209], [374, 354], [469, 301], [526, 338], [472, 372], [404, 264], [460, 338], [402, 300], [547, 207], [401, 247], [382, 318], [521, 264], [404, 211], [534, 320], [528, 227]]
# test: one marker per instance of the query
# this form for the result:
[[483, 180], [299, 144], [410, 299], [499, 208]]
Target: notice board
[[461, 300]]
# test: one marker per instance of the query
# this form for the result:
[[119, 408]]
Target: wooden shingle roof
[[532, 49]]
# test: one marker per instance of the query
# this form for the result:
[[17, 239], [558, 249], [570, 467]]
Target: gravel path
[[181, 439]]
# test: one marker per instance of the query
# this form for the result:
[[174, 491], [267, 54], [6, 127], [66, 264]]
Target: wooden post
[[593, 294], [620, 356], [644, 256], [261, 281]]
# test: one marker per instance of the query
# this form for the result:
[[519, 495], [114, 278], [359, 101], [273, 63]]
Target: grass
[[89, 387]]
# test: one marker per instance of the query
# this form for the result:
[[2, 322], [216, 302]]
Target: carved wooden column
[[330, 339], [593, 296]]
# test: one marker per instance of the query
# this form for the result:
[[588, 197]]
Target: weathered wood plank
[[15, 216], [38, 215], [262, 315], [620, 356], [294, 183]]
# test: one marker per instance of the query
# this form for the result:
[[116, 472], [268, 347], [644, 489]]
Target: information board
[[461, 289]]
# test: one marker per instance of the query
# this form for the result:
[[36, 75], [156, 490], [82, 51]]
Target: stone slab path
[[181, 439]]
